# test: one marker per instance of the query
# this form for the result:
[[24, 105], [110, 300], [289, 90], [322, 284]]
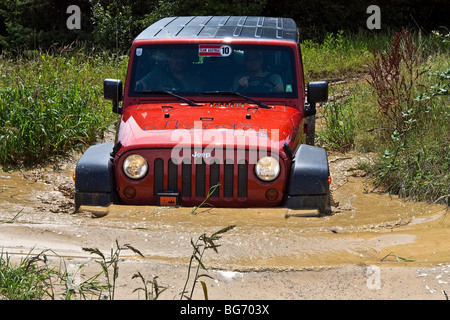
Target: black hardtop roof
[[219, 27]]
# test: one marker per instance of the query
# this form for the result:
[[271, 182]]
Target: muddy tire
[[326, 211]]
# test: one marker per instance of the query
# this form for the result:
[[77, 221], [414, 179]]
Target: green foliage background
[[113, 24]]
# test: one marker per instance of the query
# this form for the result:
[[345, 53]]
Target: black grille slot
[[214, 177], [242, 179], [200, 179], [159, 175], [228, 179], [186, 178], [173, 175]]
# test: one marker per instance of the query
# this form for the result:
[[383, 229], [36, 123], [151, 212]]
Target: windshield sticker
[[214, 50], [139, 52]]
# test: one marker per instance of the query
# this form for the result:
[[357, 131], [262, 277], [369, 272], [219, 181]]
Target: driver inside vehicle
[[176, 75], [255, 78]]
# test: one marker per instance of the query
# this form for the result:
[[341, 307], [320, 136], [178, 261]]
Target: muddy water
[[41, 190], [365, 226]]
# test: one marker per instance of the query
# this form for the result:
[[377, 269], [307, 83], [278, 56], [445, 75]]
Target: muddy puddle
[[365, 226]]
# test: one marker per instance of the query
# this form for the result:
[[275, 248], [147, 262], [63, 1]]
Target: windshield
[[193, 70]]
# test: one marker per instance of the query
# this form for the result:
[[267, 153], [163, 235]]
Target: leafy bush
[[401, 113], [415, 159]]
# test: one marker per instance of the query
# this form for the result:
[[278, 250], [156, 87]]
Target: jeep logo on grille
[[201, 155]]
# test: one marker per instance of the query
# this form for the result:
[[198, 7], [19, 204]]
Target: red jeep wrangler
[[212, 107]]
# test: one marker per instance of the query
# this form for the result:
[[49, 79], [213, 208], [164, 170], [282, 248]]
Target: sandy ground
[[373, 246]]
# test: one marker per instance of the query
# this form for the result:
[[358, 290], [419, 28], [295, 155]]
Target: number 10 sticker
[[214, 50]]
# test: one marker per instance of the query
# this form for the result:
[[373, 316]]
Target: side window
[[144, 62], [281, 65]]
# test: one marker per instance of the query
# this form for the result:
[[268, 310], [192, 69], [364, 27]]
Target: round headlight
[[267, 168], [135, 166]]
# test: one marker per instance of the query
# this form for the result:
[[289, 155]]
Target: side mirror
[[317, 92], [112, 90]]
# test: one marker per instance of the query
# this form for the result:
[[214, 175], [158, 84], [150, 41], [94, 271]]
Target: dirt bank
[[373, 246]]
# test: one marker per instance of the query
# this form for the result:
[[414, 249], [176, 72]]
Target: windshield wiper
[[227, 93], [170, 93]]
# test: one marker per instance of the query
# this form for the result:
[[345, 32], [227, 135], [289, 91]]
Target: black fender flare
[[308, 186], [94, 177]]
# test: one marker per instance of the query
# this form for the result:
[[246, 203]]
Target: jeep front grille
[[195, 178], [192, 178]]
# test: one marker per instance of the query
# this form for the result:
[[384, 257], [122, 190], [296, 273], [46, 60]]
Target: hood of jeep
[[237, 125]]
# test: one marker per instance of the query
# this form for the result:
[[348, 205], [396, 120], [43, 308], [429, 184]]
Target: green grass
[[52, 104], [339, 55], [416, 163], [30, 279], [340, 127]]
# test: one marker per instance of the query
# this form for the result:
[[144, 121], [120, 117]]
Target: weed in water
[[202, 244], [399, 259], [151, 288], [13, 218], [210, 192], [111, 263]]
